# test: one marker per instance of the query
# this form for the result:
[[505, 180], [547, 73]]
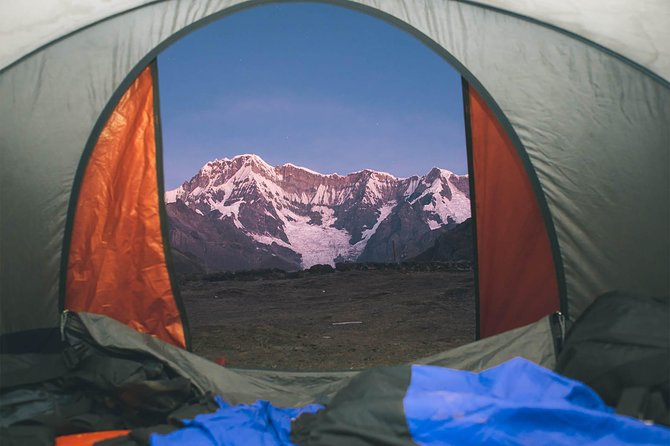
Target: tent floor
[[297, 324]]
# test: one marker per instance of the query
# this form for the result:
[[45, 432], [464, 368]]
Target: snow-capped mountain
[[242, 213]]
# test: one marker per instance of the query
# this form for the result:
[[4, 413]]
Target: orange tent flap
[[88, 439], [117, 261], [516, 271]]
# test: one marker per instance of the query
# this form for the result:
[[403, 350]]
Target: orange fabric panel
[[88, 439], [117, 265], [517, 276]]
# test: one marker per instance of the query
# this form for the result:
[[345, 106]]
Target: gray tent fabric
[[292, 389], [636, 32], [593, 125], [26, 26], [534, 342]]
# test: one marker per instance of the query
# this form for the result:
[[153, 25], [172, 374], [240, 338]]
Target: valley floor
[[334, 321]]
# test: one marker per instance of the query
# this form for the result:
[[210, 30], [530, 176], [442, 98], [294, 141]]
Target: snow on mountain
[[321, 218]]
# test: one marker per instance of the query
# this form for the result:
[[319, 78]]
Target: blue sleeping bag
[[516, 403], [259, 424]]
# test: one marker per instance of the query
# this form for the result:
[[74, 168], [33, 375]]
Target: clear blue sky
[[315, 85]]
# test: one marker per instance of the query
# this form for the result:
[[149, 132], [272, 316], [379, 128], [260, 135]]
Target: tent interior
[[574, 98]]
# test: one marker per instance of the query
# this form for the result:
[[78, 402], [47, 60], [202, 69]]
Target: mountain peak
[[370, 173], [436, 172], [305, 169], [247, 157]]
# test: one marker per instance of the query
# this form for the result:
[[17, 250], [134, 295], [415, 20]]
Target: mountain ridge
[[322, 218]]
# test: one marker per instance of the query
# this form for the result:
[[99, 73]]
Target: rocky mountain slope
[[242, 213], [454, 245]]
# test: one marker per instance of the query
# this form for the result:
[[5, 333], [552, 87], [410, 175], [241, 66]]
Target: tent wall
[[117, 264], [594, 128], [516, 273]]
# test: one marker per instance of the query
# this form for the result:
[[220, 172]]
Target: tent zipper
[[558, 329], [63, 322]]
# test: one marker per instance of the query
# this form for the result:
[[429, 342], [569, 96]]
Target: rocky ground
[[330, 320]]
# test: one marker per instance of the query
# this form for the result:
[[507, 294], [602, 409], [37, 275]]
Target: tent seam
[[473, 209], [162, 212]]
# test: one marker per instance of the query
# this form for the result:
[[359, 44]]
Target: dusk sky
[[315, 85]]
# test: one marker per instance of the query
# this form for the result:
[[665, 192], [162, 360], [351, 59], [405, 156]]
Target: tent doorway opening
[[317, 191]]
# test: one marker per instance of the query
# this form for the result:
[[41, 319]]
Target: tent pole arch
[[149, 59]]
